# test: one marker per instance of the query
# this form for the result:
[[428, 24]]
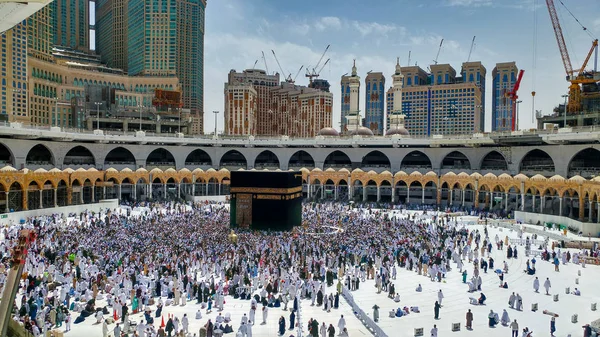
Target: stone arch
[[79, 156], [456, 160], [198, 157], [39, 155], [266, 160], [416, 160], [160, 158], [376, 159], [233, 159], [119, 156], [301, 159], [337, 159], [15, 197], [585, 163], [537, 162], [6, 156], [494, 161]]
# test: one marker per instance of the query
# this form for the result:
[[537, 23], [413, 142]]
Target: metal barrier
[[364, 318]]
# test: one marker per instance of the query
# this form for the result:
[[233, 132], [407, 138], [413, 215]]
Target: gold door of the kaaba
[[243, 210]]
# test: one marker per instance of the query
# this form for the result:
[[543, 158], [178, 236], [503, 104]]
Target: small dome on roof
[[397, 131], [362, 131], [141, 169], [92, 169], [330, 170], [8, 168], [328, 132], [556, 177], [185, 170], [504, 176], [521, 177], [538, 177], [110, 169], [577, 178], [40, 170], [55, 170], [127, 169]]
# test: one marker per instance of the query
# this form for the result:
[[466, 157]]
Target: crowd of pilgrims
[[110, 266]]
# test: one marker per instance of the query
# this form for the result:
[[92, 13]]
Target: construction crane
[[438, 53], [313, 73], [298, 73], [471, 50], [512, 95], [254, 66], [287, 78], [581, 77], [323, 66], [265, 61]]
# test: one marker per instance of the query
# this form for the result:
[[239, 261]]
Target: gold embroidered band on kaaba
[[265, 190]]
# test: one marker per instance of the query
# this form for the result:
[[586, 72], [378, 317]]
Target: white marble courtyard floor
[[455, 303]]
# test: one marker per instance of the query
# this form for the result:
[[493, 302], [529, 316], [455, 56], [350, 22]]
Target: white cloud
[[469, 3], [328, 22], [368, 28]]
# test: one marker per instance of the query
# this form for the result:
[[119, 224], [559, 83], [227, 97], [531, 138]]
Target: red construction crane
[[512, 95]]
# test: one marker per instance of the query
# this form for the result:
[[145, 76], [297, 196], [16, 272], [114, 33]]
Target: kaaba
[[266, 200]]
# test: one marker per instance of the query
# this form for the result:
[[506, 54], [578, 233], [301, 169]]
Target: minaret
[[353, 117], [397, 116]]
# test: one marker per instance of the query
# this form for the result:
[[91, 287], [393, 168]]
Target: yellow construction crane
[[577, 79]]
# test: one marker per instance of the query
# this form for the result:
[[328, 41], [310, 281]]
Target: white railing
[[6, 128], [362, 316]]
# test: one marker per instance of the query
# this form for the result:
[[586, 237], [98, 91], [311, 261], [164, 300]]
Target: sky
[[375, 32]]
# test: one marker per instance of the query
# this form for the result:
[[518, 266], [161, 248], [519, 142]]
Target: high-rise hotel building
[[504, 77], [258, 104], [440, 102], [141, 45], [375, 102]]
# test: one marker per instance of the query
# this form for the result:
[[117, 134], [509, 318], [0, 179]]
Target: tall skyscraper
[[40, 34], [111, 37], [190, 55], [166, 38], [345, 98], [257, 104], [152, 37], [375, 102], [13, 75], [504, 78], [475, 72], [262, 84], [71, 23], [442, 103]]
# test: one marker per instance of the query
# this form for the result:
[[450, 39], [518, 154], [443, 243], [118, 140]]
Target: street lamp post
[[517, 116], [179, 122], [565, 112], [98, 104], [216, 113]]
